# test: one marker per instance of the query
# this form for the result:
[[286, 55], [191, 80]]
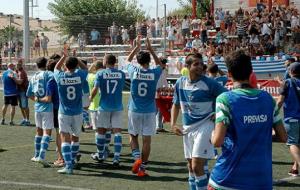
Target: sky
[[42, 12]]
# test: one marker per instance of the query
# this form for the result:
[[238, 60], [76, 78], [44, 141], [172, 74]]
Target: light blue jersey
[[196, 99], [70, 91], [85, 88], [143, 88], [38, 87], [111, 83]]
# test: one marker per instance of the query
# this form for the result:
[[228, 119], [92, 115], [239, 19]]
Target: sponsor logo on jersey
[[112, 75], [143, 76], [250, 119], [70, 81]]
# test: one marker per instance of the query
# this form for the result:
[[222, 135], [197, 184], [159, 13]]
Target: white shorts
[[44, 120], [141, 123], [94, 116], [110, 119], [197, 143], [70, 124], [85, 100]]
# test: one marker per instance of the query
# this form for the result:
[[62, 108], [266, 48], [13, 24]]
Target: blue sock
[[100, 143], [107, 138], [44, 146], [192, 183], [136, 154], [117, 146], [74, 150], [37, 145], [206, 170], [86, 117], [201, 182], [66, 152]]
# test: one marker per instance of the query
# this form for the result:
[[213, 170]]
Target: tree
[[76, 15], [203, 6]]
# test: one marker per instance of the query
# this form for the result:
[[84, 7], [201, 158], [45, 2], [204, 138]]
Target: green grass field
[[167, 167]]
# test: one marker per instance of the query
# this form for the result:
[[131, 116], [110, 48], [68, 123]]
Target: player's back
[[143, 89], [70, 91], [38, 87], [111, 83], [247, 148]]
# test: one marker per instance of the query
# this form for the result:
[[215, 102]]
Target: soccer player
[[10, 93], [142, 109], [86, 102], [93, 108], [43, 110], [111, 82], [290, 99], [245, 118], [195, 96], [213, 71], [70, 84]]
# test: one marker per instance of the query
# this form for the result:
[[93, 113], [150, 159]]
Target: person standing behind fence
[[37, 45], [132, 34], [44, 44], [113, 31], [22, 83], [95, 36], [10, 93]]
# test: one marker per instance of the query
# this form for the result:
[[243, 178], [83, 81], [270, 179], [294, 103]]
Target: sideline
[[41, 185]]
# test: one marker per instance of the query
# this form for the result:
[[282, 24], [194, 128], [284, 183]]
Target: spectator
[[131, 34], [113, 30], [185, 26], [95, 36], [158, 27], [144, 29], [81, 40], [37, 46], [10, 93], [22, 84], [152, 28], [125, 35], [196, 43], [44, 44]]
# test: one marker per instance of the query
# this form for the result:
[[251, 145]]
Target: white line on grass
[[41, 185], [284, 180]]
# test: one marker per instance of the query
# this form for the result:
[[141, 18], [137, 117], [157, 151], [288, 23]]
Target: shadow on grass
[[287, 184], [108, 173], [282, 163], [2, 150]]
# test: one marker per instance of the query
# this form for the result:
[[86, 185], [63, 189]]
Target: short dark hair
[[55, 56], [212, 68], [99, 65], [71, 63], [41, 62], [143, 57], [110, 59], [163, 60], [189, 59], [239, 65], [51, 64]]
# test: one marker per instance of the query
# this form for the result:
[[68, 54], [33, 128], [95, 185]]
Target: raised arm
[[156, 59], [135, 50], [82, 65], [60, 63]]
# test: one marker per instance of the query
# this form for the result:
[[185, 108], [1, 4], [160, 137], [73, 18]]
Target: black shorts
[[55, 118], [11, 100]]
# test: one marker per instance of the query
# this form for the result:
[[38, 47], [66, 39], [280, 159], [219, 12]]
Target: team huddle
[[242, 121]]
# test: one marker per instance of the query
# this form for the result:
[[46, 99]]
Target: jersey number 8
[[71, 92]]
